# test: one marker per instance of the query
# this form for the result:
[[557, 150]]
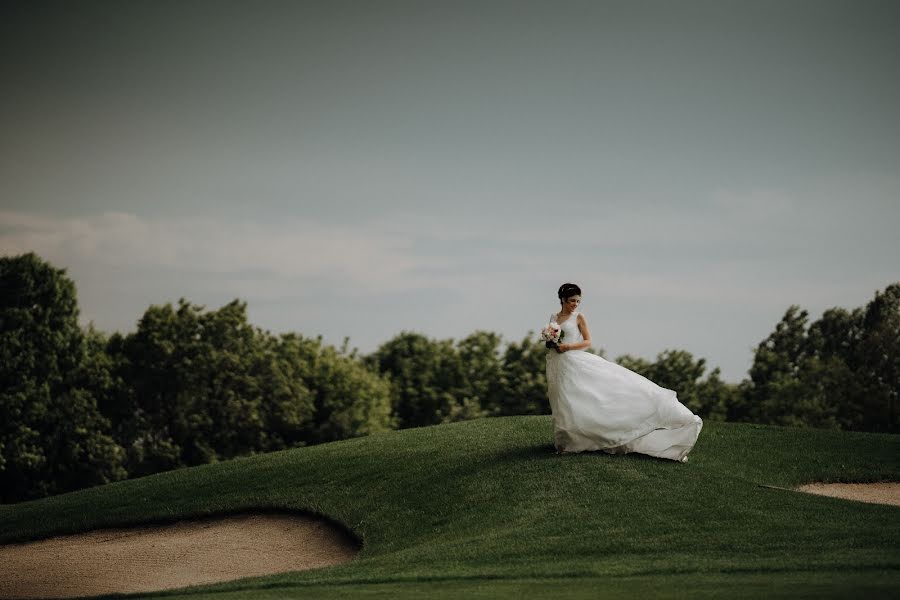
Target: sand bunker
[[169, 556], [875, 493]]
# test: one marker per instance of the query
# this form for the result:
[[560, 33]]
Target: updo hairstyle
[[567, 290]]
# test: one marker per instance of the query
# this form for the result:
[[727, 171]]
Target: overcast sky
[[363, 168]]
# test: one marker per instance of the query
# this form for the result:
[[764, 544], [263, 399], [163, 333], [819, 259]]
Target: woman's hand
[[562, 348]]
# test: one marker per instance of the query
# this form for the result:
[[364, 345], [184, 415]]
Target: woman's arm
[[585, 333]]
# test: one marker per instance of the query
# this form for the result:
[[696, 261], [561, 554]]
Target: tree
[[842, 371], [52, 436], [348, 399], [426, 376], [202, 386], [879, 361], [524, 379], [285, 377], [774, 392], [482, 368], [715, 397]]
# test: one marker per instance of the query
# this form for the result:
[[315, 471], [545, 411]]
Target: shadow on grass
[[548, 452]]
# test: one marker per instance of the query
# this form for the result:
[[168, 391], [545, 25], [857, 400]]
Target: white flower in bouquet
[[552, 335]]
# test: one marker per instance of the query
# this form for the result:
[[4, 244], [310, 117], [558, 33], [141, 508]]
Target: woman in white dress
[[600, 405]]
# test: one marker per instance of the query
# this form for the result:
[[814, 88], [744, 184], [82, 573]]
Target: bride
[[599, 405]]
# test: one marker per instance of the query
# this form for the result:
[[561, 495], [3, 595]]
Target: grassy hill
[[485, 509]]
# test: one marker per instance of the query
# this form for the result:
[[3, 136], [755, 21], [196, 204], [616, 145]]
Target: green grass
[[484, 509]]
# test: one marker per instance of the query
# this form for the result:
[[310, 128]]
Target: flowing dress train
[[600, 405]]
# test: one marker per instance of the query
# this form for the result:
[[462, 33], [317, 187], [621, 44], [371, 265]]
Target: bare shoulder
[[581, 318]]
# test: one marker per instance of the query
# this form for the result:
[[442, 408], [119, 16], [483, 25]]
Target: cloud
[[289, 250]]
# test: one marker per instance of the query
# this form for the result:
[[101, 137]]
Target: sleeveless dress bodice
[[600, 405], [570, 328]]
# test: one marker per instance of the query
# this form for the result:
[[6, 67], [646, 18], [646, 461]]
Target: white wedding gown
[[599, 405]]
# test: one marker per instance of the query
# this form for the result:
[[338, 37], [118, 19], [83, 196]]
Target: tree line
[[191, 386]]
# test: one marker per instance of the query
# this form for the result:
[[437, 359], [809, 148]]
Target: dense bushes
[[191, 386]]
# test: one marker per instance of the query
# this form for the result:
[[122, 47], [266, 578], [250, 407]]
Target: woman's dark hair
[[567, 290]]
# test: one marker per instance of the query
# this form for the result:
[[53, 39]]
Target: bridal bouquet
[[552, 335]]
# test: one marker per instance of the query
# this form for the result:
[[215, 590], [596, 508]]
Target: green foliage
[[523, 379], [482, 367], [439, 381], [427, 378], [195, 395], [715, 396], [52, 436], [349, 399], [202, 386], [841, 371], [878, 362]]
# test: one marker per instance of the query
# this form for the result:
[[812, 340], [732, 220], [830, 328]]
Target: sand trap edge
[[886, 493], [161, 554], [163, 520]]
